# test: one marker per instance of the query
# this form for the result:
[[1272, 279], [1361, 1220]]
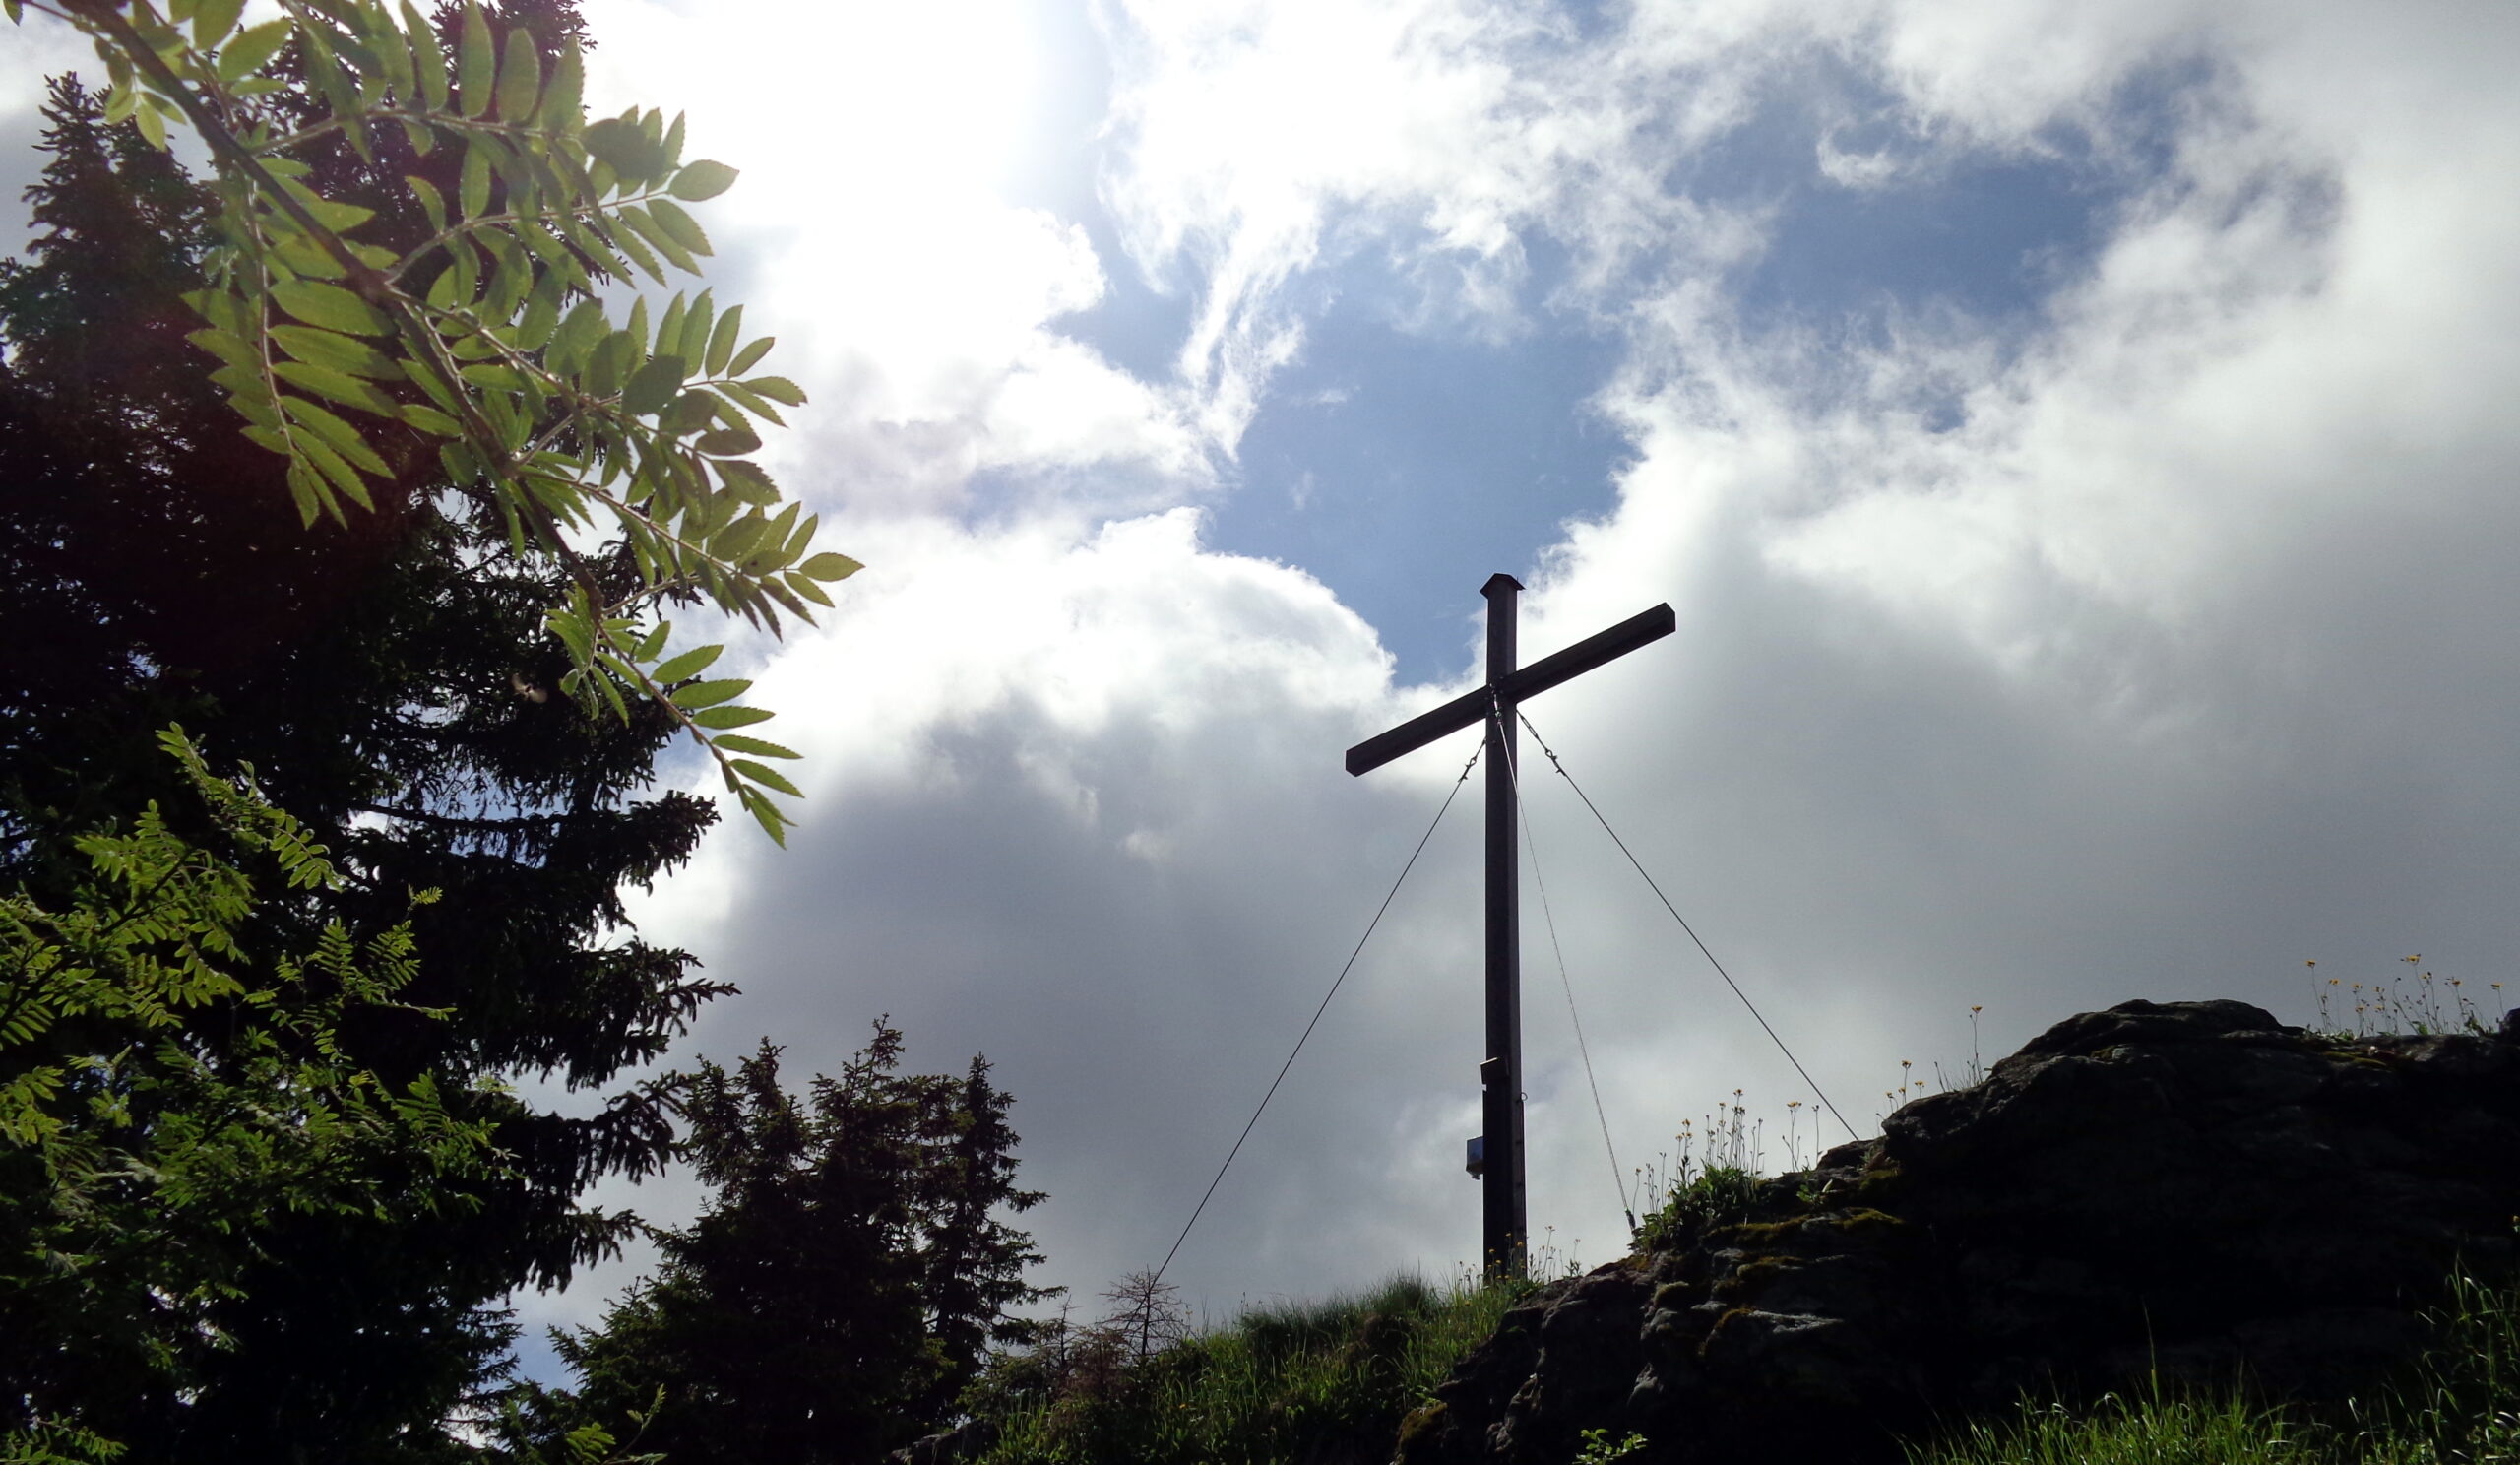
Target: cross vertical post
[[1503, 1232]]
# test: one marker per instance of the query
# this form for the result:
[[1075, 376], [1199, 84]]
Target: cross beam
[[1503, 1232]]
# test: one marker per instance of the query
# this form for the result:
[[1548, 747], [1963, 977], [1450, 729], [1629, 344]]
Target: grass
[[1329, 1382], [1312, 1382], [2460, 1407]]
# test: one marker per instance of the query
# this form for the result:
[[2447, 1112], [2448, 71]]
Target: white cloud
[[2142, 646], [878, 232]]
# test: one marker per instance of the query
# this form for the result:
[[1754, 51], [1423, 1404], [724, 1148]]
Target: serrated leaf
[[727, 442], [618, 144], [626, 240], [693, 343], [685, 229], [750, 357], [213, 19], [643, 225], [340, 473], [736, 742], [720, 717], [433, 203], [652, 386], [804, 587], [778, 389], [579, 330], [474, 193], [340, 435], [690, 663], [228, 346], [476, 66], [701, 180], [340, 218], [766, 775], [542, 313], [737, 539], [252, 49], [427, 57], [335, 386], [747, 482], [377, 29], [829, 566], [307, 487], [520, 78], [497, 376], [722, 341], [331, 349], [767, 815], [750, 400], [701, 694], [429, 419], [669, 328], [561, 100], [330, 306]]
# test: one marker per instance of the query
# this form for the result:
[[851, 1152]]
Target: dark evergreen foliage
[[841, 1288], [391, 682]]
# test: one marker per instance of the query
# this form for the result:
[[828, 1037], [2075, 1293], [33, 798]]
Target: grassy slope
[[1320, 1383]]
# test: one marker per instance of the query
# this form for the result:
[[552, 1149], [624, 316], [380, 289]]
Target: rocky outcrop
[[2184, 1190]]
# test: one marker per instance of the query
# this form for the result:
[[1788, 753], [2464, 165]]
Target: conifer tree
[[839, 1288]]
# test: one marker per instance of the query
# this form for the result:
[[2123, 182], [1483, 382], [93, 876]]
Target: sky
[[2075, 441]]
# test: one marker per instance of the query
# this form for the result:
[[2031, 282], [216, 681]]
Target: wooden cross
[[1498, 1155]]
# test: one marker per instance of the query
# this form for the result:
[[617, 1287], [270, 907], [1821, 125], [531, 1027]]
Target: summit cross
[[1498, 1155]]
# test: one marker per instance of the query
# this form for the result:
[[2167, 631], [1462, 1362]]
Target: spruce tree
[[839, 1288]]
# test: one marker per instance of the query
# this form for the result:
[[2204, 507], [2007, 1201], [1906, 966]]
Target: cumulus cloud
[[2142, 633], [2144, 646], [875, 229]]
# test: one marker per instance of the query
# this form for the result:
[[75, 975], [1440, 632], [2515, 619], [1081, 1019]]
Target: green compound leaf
[[736, 742], [702, 694], [338, 434], [335, 350], [331, 307], [426, 57], [477, 64], [334, 386], [213, 19], [652, 386], [520, 78], [764, 773], [748, 483], [252, 49], [701, 180], [682, 226], [690, 663], [618, 143], [721, 341]]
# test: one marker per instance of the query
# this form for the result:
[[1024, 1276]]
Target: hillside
[[2143, 1206]]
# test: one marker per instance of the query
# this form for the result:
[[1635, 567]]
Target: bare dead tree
[[1147, 1315]]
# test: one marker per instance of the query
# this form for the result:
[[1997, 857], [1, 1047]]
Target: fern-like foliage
[[166, 1101]]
